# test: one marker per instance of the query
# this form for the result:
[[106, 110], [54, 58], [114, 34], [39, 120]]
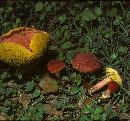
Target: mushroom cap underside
[[114, 75]]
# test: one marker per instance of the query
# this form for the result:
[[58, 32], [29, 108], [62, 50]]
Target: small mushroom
[[112, 75], [86, 63], [112, 88], [55, 66]]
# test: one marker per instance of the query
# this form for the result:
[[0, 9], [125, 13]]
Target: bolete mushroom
[[112, 75], [86, 63], [22, 45], [113, 87], [55, 66]]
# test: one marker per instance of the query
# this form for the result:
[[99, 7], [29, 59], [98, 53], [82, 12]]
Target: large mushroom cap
[[86, 62], [55, 66], [114, 75], [22, 45]]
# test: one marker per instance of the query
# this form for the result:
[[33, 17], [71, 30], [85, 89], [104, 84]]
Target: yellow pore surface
[[114, 75], [16, 54]]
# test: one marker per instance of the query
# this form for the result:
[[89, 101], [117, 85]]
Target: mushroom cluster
[[88, 63], [82, 62], [22, 45]]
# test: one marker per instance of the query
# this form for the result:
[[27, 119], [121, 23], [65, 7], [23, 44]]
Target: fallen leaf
[[87, 85], [2, 117], [51, 110], [124, 116], [12, 84], [24, 99], [48, 84]]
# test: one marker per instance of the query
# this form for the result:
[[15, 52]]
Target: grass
[[102, 28]]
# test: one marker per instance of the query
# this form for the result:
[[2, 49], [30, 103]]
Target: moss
[[14, 53]]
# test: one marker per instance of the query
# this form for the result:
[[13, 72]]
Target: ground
[[101, 28]]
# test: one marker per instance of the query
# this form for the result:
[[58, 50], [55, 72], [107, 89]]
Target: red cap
[[55, 66], [113, 87], [86, 62]]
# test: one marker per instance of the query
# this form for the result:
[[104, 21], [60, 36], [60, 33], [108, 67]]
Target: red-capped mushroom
[[86, 63], [113, 87], [111, 75], [55, 66]]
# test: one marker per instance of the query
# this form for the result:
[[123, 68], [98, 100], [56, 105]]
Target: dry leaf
[[52, 111], [48, 84], [12, 84], [87, 85], [2, 117], [24, 99]]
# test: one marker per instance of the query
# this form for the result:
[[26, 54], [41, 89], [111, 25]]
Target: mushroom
[[112, 75], [112, 88], [86, 63], [22, 45], [55, 66]]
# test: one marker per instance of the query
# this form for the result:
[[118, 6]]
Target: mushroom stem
[[57, 74], [99, 85], [106, 94]]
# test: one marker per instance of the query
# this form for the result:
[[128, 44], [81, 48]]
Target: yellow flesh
[[16, 54], [114, 75]]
